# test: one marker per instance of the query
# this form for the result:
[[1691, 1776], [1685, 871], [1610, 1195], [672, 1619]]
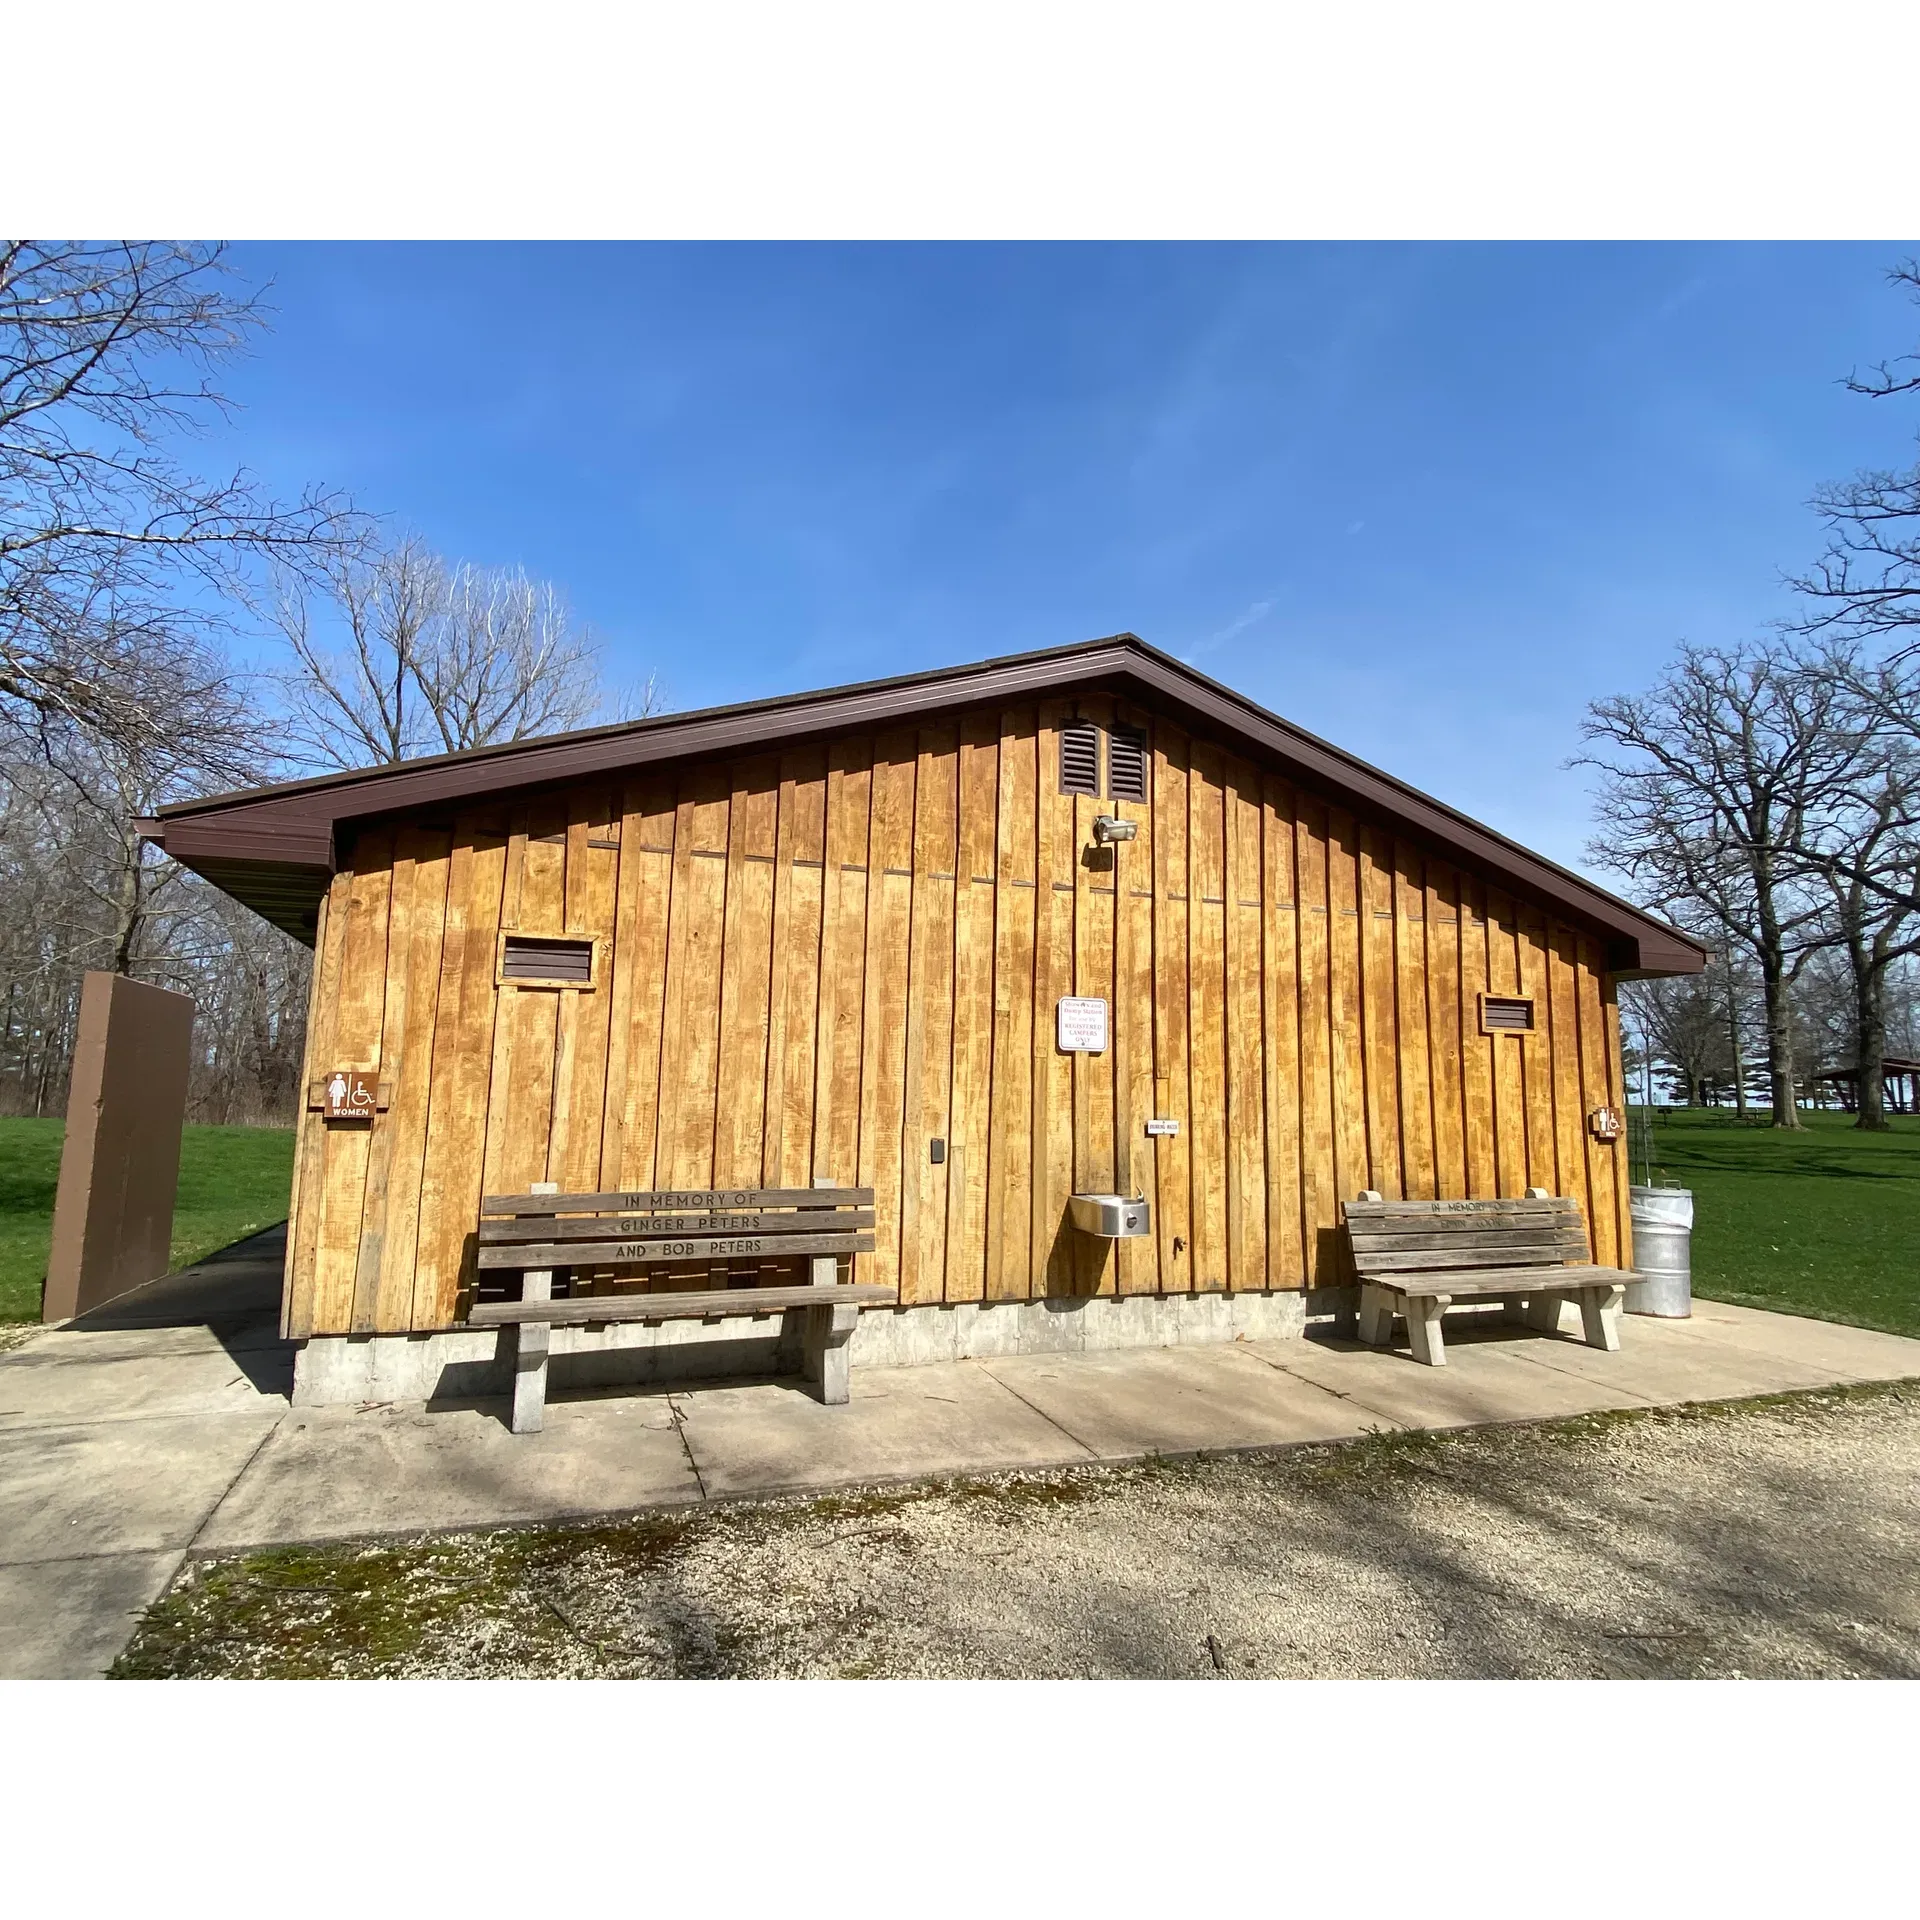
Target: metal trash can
[[1663, 1251]]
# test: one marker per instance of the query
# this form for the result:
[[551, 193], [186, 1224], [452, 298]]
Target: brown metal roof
[[274, 847]]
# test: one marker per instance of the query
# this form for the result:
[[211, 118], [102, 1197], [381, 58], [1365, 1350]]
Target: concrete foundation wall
[[347, 1369]]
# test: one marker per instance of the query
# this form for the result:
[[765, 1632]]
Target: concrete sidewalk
[[161, 1427]]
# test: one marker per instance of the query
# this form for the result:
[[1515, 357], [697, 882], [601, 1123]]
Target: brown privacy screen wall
[[120, 1166]]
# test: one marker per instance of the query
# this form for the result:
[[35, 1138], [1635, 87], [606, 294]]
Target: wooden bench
[[1416, 1257], [546, 1233]]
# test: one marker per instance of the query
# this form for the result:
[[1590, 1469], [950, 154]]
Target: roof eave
[[291, 827]]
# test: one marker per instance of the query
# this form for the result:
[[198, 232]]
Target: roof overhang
[[275, 848]]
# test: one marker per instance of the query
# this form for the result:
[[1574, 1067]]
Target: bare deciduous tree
[[113, 558], [1682, 1024], [428, 658], [119, 570], [81, 895], [1708, 790], [1867, 852], [1866, 586]]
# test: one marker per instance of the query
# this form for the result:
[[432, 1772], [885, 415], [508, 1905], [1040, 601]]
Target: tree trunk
[[1786, 1111], [1869, 1038], [1739, 1052], [1771, 947], [129, 908]]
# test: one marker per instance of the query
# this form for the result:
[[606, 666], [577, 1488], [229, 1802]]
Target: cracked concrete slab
[[60, 1389], [1840, 1353], [1178, 1400], [1669, 1370], [118, 1486], [338, 1472], [902, 1423], [68, 1619], [1484, 1382]]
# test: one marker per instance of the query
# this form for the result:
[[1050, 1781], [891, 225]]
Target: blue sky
[[1427, 500]]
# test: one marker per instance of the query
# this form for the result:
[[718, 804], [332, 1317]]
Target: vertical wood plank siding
[[817, 963]]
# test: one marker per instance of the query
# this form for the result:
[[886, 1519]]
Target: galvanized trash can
[[1663, 1251]]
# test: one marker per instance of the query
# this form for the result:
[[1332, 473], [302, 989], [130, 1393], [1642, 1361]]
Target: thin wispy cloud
[[1250, 616]]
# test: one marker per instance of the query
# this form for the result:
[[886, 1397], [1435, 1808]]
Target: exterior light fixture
[[1106, 829]]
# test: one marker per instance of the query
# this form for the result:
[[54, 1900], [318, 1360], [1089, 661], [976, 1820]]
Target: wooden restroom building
[[828, 936]]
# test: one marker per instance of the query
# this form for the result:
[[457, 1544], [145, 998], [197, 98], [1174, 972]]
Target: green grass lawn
[[1825, 1222], [233, 1181]]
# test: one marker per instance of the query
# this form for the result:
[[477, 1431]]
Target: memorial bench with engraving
[[551, 1237], [1415, 1258]]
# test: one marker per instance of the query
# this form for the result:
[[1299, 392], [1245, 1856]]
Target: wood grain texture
[[884, 1049], [800, 881], [637, 981], [689, 1071], [1443, 1031], [1622, 1179], [929, 1072], [1604, 1157], [1095, 1167], [360, 1002], [466, 1012], [520, 1115], [839, 1029], [1353, 1172], [583, 1020], [1052, 1254], [304, 1208], [1280, 1031], [1172, 1081], [1509, 1051], [1136, 1161], [1476, 1048], [1536, 1048], [1010, 1192], [716, 1305], [816, 965], [1379, 1015], [1413, 1054], [381, 1140], [1320, 1194], [1562, 1013], [1245, 1032], [407, 1046], [1207, 1012], [746, 976], [973, 957]]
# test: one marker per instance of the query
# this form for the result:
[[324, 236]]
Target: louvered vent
[[563, 963], [1126, 765], [1499, 1015], [1080, 758]]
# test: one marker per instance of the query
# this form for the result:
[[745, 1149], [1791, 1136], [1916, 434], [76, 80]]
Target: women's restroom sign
[[1082, 1025], [348, 1094]]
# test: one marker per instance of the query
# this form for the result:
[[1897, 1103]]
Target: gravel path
[[1770, 1539]]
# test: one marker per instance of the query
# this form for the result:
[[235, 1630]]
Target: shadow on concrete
[[234, 1294], [1466, 1326]]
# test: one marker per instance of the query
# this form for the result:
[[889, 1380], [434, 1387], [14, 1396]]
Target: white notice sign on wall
[[1083, 1025]]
